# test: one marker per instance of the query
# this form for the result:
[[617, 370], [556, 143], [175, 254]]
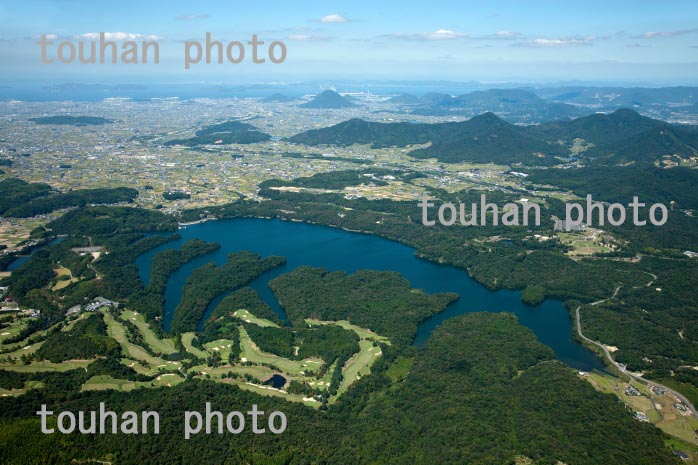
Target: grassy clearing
[[187, 339], [584, 243], [660, 409], [39, 334], [17, 325], [63, 278], [207, 372], [160, 346], [359, 365], [269, 391], [136, 352], [29, 385], [222, 346], [399, 370], [106, 382], [36, 367], [691, 392], [27, 350], [250, 352], [363, 333], [690, 449], [248, 317]]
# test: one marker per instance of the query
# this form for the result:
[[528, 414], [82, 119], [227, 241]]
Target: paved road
[[622, 368]]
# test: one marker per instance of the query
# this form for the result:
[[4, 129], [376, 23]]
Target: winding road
[[621, 367]]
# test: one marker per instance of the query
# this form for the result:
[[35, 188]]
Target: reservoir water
[[336, 249], [276, 381]]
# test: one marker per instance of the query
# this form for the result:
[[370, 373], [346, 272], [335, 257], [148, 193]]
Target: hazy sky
[[630, 41]]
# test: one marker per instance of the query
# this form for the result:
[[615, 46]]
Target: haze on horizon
[[647, 42]]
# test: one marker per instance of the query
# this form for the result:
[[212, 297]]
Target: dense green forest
[[246, 298], [167, 262], [86, 340], [229, 132], [208, 281], [489, 139], [482, 389], [382, 301], [21, 199], [151, 301], [325, 341], [620, 184]]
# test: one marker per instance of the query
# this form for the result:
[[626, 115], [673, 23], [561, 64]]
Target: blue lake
[[336, 249], [22, 259]]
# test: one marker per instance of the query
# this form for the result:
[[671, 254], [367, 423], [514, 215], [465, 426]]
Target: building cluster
[[96, 304]]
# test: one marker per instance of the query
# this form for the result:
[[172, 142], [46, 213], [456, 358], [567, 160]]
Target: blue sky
[[644, 41]]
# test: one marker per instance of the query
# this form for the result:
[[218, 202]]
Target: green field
[[18, 392], [35, 367], [136, 352], [187, 338], [247, 317], [19, 324], [250, 352], [269, 391], [160, 346], [257, 371], [222, 346], [363, 333], [359, 365], [659, 409], [106, 382]]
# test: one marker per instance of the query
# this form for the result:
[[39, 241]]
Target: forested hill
[[229, 132], [485, 138], [328, 100], [600, 128], [72, 120], [488, 138], [20, 199], [623, 136]]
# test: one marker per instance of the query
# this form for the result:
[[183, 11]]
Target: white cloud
[[662, 34], [334, 18], [192, 17], [49, 36], [440, 34], [562, 42], [310, 38], [501, 35], [118, 36]]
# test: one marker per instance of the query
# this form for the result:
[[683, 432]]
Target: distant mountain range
[[617, 97], [518, 105], [623, 136], [328, 100]]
